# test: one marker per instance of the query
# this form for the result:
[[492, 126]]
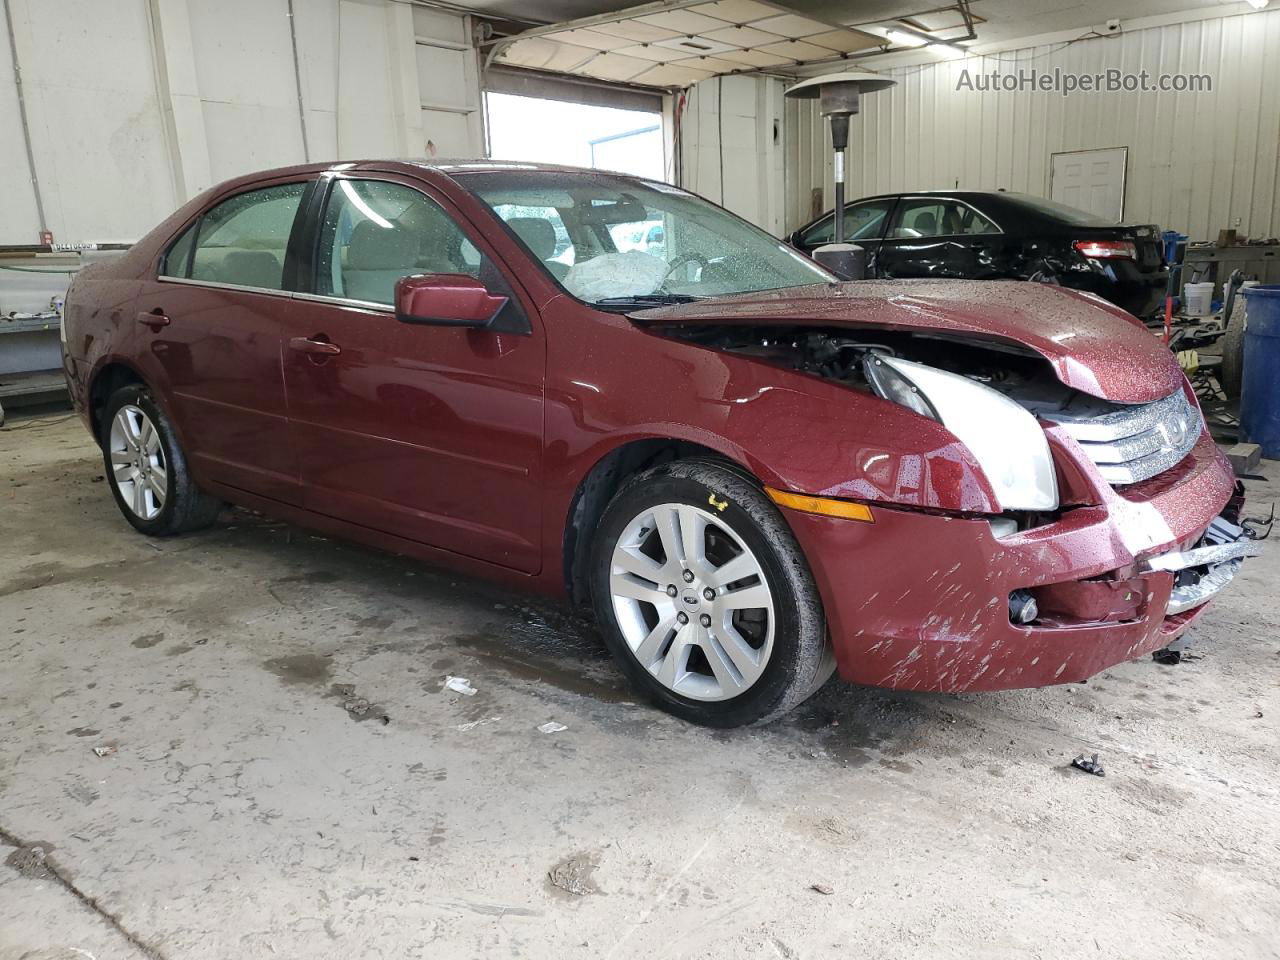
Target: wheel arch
[[109, 378], [602, 481]]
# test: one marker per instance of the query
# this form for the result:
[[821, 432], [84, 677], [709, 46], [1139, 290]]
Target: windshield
[[1060, 211], [611, 239]]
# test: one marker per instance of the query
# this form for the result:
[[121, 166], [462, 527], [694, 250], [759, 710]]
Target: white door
[[1092, 180]]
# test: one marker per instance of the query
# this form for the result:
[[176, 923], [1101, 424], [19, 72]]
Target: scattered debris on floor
[[573, 876], [460, 685], [1169, 657], [358, 708], [29, 861], [825, 889], [105, 750], [1089, 765], [471, 725], [551, 727]]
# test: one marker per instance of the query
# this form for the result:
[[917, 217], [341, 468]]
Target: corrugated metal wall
[[1197, 161], [134, 106], [745, 114]]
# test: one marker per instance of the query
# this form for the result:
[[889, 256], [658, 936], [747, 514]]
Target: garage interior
[[246, 742]]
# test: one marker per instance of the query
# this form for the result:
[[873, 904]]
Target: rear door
[[209, 338], [429, 433], [940, 237]]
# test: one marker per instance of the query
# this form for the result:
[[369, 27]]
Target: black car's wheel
[[704, 596], [1231, 373], [146, 468]]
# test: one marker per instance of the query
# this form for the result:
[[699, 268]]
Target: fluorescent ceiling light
[[905, 39], [1257, 4]]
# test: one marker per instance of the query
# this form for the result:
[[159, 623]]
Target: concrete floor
[[247, 812]]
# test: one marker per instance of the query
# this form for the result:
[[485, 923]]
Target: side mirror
[[446, 300]]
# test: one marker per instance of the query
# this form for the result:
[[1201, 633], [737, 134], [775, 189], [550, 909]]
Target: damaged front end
[[1110, 518]]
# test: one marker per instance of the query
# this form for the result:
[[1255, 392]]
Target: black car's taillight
[[1107, 249]]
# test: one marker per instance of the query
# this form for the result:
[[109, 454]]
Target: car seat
[[377, 257], [539, 236]]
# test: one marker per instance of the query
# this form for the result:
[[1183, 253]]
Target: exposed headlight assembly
[[1004, 438]]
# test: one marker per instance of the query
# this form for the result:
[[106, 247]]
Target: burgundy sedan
[[755, 475]]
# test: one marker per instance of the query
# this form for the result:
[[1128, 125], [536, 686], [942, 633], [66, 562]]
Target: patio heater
[[837, 95]]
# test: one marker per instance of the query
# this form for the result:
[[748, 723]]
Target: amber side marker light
[[821, 505]]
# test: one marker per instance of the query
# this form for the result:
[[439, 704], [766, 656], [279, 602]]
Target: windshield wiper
[[647, 299]]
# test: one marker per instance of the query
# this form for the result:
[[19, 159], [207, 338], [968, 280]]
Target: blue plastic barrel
[[1260, 385]]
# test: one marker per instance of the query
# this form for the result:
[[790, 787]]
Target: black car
[[993, 236]]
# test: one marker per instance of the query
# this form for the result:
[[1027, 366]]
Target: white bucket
[[1197, 299]]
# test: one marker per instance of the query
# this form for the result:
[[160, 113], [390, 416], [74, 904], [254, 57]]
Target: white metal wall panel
[[1197, 161], [736, 159], [136, 105], [244, 66], [93, 119], [448, 72], [18, 217]]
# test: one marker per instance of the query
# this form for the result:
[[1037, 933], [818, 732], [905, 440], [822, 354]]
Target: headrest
[[926, 223], [538, 235], [374, 247]]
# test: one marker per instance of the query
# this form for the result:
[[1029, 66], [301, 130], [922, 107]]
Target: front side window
[[934, 217], [626, 238], [862, 221], [376, 232], [241, 241]]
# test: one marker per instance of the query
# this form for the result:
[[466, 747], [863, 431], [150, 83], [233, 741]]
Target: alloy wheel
[[138, 465], [692, 602]]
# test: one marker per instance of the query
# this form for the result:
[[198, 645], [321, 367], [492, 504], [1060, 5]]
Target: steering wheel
[[682, 260]]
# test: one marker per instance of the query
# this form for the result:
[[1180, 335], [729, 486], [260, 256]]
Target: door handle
[[155, 319], [314, 346]]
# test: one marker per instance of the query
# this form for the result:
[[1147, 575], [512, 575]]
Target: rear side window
[[376, 232], [934, 217], [241, 241]]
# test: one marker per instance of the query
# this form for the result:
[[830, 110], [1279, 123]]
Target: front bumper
[[921, 601]]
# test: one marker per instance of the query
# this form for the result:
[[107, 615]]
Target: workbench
[[33, 282], [1263, 257]]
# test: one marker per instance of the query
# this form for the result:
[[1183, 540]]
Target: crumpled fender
[[793, 431]]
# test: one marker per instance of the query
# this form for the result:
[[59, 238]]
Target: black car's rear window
[[1059, 211]]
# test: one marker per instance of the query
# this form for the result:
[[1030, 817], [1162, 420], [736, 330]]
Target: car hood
[[1095, 347]]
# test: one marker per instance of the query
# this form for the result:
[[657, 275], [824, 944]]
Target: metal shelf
[[29, 324]]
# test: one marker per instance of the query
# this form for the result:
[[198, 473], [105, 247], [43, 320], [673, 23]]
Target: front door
[[429, 433], [940, 237], [211, 326], [864, 224]]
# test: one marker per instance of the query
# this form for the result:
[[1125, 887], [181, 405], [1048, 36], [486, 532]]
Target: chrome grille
[[1133, 443]]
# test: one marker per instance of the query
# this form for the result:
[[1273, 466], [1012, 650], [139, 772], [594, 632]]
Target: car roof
[[957, 194], [443, 165]]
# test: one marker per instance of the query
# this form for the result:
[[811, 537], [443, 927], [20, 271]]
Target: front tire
[[705, 598], [147, 469]]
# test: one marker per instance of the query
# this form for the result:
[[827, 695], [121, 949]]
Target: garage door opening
[[582, 135], [547, 118]]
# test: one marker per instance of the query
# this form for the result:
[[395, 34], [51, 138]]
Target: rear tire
[[1231, 373], [695, 539], [147, 469]]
